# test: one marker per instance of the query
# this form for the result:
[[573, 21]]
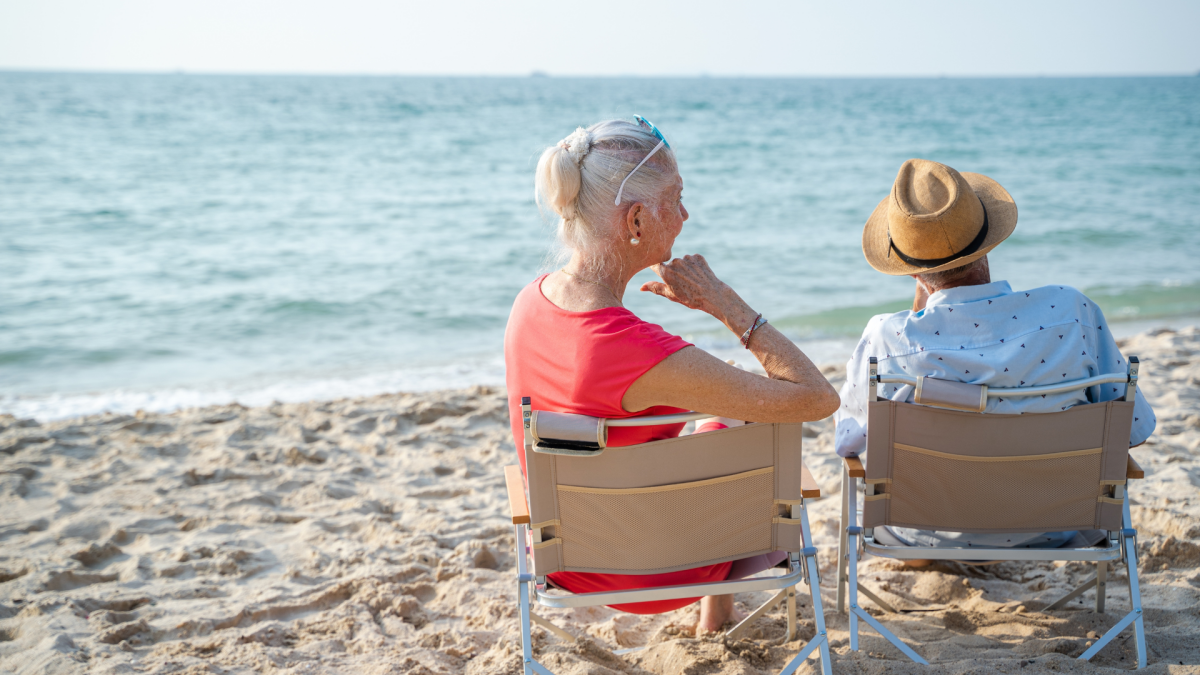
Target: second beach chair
[[657, 507], [940, 464]]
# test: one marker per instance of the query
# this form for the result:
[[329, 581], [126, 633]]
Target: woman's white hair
[[578, 179]]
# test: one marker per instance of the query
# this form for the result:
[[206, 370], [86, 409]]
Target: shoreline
[[370, 535], [488, 371]]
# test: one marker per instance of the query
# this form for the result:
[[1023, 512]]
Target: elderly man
[[937, 226]]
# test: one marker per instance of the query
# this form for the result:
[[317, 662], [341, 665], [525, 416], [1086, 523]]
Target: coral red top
[[583, 362]]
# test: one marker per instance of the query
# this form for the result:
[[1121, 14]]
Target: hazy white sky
[[613, 37]]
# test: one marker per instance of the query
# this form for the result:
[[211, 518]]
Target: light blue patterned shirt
[[987, 334]]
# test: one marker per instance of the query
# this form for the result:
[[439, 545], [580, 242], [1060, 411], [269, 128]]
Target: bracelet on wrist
[[759, 321]]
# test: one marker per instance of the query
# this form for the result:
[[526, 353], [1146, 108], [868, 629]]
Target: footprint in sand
[[95, 553], [69, 580]]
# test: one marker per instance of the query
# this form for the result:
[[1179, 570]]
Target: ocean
[[176, 240]]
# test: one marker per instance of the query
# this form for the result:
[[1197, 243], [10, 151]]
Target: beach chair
[[938, 464], [657, 507]]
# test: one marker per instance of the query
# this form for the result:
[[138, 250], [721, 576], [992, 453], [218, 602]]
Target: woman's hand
[[691, 282], [793, 391]]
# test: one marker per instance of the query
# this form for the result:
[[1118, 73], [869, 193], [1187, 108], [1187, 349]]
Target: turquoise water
[[177, 239]]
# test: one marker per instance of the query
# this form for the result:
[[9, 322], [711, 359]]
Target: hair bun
[[577, 144]]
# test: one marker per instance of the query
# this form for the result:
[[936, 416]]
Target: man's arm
[[1109, 359], [1144, 420], [850, 432], [850, 439]]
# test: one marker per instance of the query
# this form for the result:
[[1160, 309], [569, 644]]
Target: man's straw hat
[[937, 219]]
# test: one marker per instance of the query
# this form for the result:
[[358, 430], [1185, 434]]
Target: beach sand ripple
[[370, 536]]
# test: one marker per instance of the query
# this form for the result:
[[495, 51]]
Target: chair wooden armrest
[[808, 485], [517, 506], [855, 466], [1133, 469]]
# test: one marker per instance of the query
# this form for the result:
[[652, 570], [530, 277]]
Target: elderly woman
[[574, 347]]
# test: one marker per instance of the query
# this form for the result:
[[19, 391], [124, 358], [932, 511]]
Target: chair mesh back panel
[[649, 529], [1035, 497], [969, 472], [668, 505]]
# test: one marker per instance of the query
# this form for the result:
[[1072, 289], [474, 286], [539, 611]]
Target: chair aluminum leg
[[821, 639], [1135, 596], [1131, 560], [877, 600], [1101, 585], [524, 589], [1079, 590], [852, 583], [842, 541], [857, 612], [791, 613], [736, 632], [813, 644], [558, 632], [1129, 545], [849, 530], [890, 636], [814, 577], [1112, 633], [523, 602]]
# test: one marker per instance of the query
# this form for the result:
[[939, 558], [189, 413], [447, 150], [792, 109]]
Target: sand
[[371, 536]]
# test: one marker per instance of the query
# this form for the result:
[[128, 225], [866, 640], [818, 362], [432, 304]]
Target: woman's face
[[670, 216]]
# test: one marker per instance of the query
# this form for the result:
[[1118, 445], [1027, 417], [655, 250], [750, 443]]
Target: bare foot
[[715, 612], [918, 563]]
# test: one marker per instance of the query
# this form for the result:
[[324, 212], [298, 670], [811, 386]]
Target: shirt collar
[[962, 294]]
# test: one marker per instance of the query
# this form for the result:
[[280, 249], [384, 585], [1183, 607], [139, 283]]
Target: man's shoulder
[[881, 323], [1055, 290], [1064, 299]]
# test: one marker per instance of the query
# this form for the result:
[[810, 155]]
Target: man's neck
[[979, 280], [977, 277]]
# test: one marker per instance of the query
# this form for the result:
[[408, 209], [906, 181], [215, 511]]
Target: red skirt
[[587, 582]]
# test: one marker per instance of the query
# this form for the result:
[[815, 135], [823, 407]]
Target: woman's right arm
[[793, 391]]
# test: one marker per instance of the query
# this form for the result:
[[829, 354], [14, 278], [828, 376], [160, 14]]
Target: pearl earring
[[635, 241]]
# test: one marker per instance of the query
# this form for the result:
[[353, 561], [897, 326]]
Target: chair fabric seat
[[898, 536]]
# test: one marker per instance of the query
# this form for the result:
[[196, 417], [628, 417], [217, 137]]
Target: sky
[[859, 38]]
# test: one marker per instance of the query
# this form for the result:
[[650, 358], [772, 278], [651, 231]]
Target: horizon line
[[538, 74]]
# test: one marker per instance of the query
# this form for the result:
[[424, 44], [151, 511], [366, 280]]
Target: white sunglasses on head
[[661, 142]]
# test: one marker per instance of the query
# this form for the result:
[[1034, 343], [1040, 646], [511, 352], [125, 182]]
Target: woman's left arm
[[794, 390]]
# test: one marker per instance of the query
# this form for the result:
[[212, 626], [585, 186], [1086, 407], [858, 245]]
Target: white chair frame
[[802, 568], [1121, 545]]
